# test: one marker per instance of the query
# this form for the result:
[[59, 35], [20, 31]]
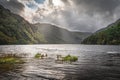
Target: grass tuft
[[38, 55], [70, 58], [10, 58]]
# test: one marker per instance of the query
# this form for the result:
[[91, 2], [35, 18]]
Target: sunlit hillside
[[109, 35], [15, 30]]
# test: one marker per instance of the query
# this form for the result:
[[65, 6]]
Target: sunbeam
[[97, 14]]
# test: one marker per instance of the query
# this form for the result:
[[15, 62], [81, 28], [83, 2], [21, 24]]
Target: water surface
[[95, 62]]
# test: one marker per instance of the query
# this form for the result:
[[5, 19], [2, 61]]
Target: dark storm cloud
[[97, 14], [13, 5], [65, 1], [99, 5], [80, 15]]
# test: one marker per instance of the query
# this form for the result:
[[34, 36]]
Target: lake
[[95, 62]]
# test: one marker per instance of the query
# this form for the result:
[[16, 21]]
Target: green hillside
[[107, 36], [15, 30]]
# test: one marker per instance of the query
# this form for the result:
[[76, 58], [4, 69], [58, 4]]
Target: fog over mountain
[[78, 15]]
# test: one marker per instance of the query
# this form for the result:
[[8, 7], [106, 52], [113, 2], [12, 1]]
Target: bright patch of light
[[41, 11], [58, 3]]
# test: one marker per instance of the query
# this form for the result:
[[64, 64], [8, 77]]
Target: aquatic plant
[[70, 58], [41, 56], [10, 58], [38, 55]]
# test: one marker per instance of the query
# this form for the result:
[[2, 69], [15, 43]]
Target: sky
[[74, 15]]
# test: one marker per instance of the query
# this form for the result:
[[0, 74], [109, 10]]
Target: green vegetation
[[106, 36], [15, 30], [38, 55], [10, 59], [70, 58]]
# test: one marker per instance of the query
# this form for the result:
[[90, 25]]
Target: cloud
[[39, 1], [79, 15], [94, 14], [14, 5], [99, 5]]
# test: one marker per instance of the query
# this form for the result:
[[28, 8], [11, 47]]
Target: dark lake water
[[95, 62]]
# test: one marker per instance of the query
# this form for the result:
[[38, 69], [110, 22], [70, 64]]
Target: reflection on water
[[94, 63]]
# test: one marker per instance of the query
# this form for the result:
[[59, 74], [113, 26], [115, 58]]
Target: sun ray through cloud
[[76, 12]]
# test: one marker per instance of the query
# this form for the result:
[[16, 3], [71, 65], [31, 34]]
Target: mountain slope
[[56, 35], [109, 35], [15, 30]]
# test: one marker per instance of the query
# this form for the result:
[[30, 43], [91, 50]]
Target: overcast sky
[[79, 15]]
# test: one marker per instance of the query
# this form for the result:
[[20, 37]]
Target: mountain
[[106, 36], [15, 30], [56, 35]]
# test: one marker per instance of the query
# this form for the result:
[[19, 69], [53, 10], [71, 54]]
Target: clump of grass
[[40, 56], [10, 58], [70, 58]]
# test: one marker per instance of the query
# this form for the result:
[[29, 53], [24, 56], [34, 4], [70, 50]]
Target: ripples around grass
[[93, 64]]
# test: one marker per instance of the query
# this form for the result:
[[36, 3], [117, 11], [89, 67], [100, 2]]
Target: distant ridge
[[16, 30], [56, 35], [106, 36]]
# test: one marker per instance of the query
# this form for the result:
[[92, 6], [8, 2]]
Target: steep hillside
[[15, 30], [56, 35], [107, 36]]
